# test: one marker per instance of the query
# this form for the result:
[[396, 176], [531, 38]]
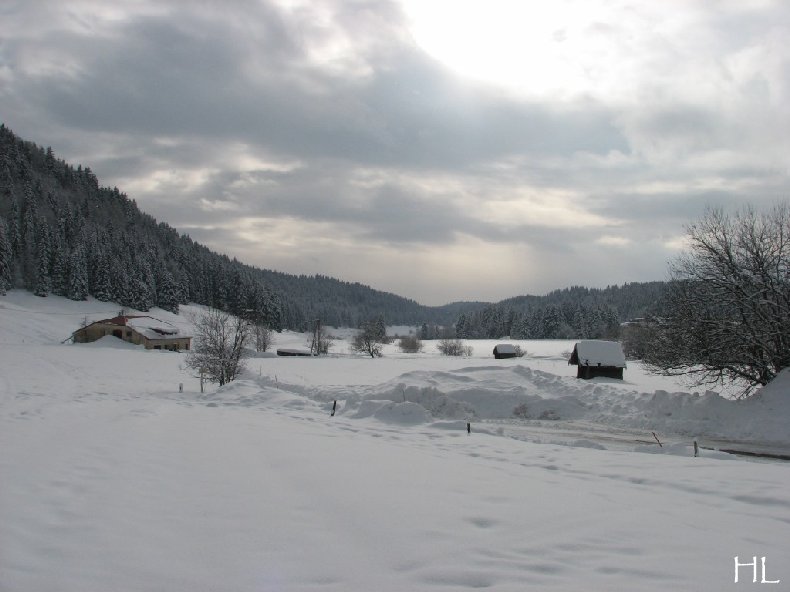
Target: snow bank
[[110, 341], [518, 392], [398, 413], [110, 478]]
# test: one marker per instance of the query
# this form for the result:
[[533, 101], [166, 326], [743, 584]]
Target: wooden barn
[[598, 358], [294, 353], [504, 351], [137, 329]]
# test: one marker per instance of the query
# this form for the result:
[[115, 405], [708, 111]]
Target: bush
[[521, 411], [454, 347], [520, 353], [410, 344]]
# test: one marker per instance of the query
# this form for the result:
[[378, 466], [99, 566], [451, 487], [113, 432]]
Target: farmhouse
[[598, 358], [504, 351], [138, 329]]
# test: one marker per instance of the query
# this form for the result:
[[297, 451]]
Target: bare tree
[[319, 341], [728, 305], [219, 346], [371, 337], [263, 337]]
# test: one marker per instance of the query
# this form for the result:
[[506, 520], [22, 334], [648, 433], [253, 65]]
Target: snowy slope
[[110, 479]]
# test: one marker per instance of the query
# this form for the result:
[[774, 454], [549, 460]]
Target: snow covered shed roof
[[594, 352], [505, 348]]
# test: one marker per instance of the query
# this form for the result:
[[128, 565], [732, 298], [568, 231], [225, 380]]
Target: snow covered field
[[110, 479]]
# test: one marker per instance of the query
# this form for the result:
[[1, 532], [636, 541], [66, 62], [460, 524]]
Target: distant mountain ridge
[[62, 233]]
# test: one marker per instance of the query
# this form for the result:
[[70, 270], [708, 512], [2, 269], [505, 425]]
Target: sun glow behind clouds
[[526, 47]]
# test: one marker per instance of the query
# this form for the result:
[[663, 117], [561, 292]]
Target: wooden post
[[334, 408], [468, 427], [696, 448], [657, 440], [180, 387], [201, 379]]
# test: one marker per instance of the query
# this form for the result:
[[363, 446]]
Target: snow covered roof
[[594, 352], [147, 326], [505, 348], [154, 329]]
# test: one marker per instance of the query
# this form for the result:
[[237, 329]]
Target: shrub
[[454, 347], [410, 344], [521, 411]]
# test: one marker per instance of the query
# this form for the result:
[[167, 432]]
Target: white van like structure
[[598, 358]]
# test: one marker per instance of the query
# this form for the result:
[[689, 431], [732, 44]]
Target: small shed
[[503, 351], [294, 353], [598, 358]]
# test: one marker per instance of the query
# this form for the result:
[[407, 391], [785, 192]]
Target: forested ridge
[[576, 312], [62, 233]]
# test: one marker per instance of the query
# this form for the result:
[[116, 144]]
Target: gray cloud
[[329, 119]]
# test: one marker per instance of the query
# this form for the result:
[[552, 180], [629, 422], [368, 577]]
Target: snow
[[505, 348], [112, 479], [154, 329], [594, 352]]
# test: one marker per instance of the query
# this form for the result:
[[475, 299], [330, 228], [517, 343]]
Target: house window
[[128, 333], [157, 347]]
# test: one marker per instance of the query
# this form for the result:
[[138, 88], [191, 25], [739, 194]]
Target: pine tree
[[60, 269], [49, 160], [43, 283], [102, 288], [166, 295], [78, 274], [14, 236], [6, 258]]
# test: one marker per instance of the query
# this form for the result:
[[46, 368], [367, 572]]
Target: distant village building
[[598, 358], [504, 351], [137, 329]]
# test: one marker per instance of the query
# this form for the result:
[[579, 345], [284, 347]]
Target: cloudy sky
[[442, 150]]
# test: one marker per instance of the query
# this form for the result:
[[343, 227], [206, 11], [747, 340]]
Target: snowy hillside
[[111, 479]]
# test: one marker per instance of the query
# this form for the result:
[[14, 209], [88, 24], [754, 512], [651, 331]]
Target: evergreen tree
[[78, 274], [102, 288], [6, 258], [43, 283], [166, 295], [14, 236], [60, 270]]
